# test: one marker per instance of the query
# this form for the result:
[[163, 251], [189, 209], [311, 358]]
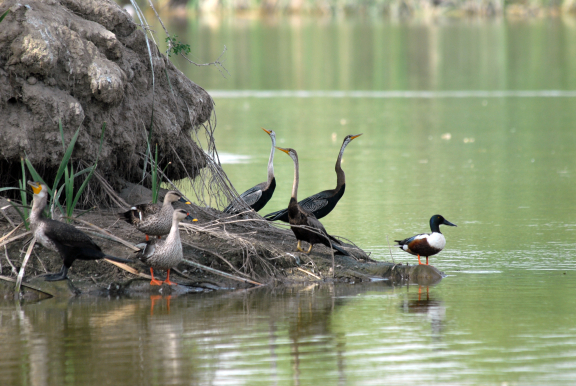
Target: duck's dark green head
[[437, 220]]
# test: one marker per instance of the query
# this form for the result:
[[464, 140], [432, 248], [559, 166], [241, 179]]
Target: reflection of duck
[[426, 244], [153, 299], [302, 218], [258, 196], [434, 310], [164, 254], [70, 243], [321, 203], [153, 219]]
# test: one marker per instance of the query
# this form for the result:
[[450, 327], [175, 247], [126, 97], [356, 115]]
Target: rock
[[86, 62], [57, 289]]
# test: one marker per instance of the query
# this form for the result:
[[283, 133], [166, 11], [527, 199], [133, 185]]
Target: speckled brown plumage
[[153, 219], [164, 254]]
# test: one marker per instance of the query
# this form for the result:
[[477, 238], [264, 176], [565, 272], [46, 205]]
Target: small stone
[[32, 80], [51, 81]]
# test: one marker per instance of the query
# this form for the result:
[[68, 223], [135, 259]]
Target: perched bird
[[321, 203], [426, 244], [163, 254], [70, 243], [152, 219], [300, 217], [258, 196]]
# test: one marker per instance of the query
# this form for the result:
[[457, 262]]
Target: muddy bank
[[85, 63], [251, 250]]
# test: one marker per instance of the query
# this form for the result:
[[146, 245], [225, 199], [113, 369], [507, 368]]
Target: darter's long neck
[[340, 176], [271, 162], [296, 179]]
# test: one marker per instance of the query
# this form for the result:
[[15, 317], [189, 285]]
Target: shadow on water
[[185, 337]]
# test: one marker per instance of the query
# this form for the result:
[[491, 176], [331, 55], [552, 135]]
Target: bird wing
[[250, 197], [148, 209], [146, 250], [315, 223], [410, 239], [315, 202], [68, 235]]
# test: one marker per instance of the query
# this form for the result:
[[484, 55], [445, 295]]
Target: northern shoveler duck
[[426, 244]]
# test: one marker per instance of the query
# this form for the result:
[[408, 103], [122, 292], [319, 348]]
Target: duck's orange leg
[[147, 238], [154, 281], [167, 281], [426, 260], [419, 262]]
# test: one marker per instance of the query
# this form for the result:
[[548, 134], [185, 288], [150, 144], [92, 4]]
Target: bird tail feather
[[278, 215], [340, 250]]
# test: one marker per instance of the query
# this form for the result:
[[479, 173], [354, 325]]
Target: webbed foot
[[62, 275]]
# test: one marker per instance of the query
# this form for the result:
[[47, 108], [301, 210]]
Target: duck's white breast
[[436, 240]]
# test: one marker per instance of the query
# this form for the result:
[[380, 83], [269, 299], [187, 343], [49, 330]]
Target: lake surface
[[471, 120]]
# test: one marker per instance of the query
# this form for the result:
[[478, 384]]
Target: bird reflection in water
[[433, 309], [153, 299]]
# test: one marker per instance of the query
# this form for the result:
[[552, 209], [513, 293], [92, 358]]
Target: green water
[[504, 315]]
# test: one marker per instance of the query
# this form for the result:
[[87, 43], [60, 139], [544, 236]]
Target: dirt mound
[[86, 62]]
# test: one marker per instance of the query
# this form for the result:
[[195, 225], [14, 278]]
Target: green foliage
[[176, 47], [23, 195], [66, 170], [4, 15]]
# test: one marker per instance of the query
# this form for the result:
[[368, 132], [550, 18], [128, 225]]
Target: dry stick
[[6, 278], [6, 242], [390, 249], [217, 255], [6, 217], [12, 231], [40, 261], [220, 273], [128, 268], [9, 262], [23, 267], [115, 238], [309, 273]]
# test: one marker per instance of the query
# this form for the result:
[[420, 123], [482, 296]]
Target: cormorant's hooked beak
[[267, 131], [446, 222], [36, 186], [182, 199], [282, 149], [355, 136]]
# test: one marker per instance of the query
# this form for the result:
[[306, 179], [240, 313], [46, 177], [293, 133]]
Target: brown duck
[[153, 219], [164, 254]]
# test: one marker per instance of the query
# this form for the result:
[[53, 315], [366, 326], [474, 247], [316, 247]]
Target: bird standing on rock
[[426, 244], [152, 219], [70, 243], [164, 254]]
